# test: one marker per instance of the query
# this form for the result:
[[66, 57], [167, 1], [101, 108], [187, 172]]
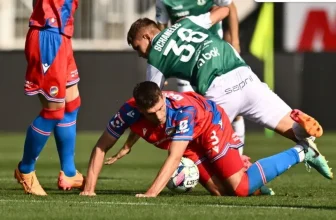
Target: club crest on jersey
[[201, 2], [53, 91], [117, 122]]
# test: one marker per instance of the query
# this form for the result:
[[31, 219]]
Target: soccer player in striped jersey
[[52, 75], [190, 51], [187, 124]]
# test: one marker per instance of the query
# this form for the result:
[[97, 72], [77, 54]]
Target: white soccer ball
[[185, 177]]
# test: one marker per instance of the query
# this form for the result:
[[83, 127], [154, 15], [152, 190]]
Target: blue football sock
[[36, 138], [65, 135], [267, 169]]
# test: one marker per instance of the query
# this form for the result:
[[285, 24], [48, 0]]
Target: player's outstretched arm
[[126, 149], [170, 165], [217, 14], [208, 19], [234, 27], [105, 143], [162, 15]]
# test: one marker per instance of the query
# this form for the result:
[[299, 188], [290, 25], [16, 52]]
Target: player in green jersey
[[188, 50], [173, 10]]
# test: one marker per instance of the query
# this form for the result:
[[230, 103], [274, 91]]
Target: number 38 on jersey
[[186, 35]]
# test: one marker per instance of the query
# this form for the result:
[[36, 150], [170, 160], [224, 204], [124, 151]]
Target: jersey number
[[187, 35], [174, 96], [214, 138]]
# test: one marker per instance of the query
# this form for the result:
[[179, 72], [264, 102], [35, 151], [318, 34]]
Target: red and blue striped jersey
[[188, 117], [57, 15]]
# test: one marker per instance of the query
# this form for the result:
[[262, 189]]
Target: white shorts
[[240, 92], [184, 86]]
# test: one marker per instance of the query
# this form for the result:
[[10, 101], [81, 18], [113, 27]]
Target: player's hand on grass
[[111, 160], [144, 195], [86, 193]]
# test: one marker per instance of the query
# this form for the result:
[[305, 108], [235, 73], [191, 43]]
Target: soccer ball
[[185, 177]]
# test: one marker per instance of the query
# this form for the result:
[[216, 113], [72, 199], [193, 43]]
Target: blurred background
[[300, 65]]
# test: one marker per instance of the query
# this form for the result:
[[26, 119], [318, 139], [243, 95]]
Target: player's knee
[[73, 105], [54, 114], [242, 189]]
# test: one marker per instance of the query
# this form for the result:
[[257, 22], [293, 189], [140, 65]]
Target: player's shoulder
[[178, 100], [129, 111], [130, 102]]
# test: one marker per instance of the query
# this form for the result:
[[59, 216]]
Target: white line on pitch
[[154, 204]]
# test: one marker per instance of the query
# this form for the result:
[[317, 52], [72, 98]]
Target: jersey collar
[[154, 38]]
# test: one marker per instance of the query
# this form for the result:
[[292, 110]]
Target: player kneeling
[[189, 125]]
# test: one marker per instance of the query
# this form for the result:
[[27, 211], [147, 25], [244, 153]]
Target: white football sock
[[239, 128], [300, 150]]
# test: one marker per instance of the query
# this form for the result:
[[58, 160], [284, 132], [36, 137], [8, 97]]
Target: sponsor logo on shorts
[[29, 85], [235, 137], [74, 73], [45, 67], [239, 86], [53, 91]]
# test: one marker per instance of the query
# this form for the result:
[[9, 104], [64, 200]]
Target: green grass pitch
[[299, 194]]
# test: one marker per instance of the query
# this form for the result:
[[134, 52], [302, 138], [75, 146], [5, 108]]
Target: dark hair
[[137, 25], [146, 94]]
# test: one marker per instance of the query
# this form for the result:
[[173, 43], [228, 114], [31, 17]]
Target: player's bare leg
[[65, 135], [297, 125]]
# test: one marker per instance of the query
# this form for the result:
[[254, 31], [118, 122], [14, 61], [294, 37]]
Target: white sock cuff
[[300, 151], [239, 128]]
